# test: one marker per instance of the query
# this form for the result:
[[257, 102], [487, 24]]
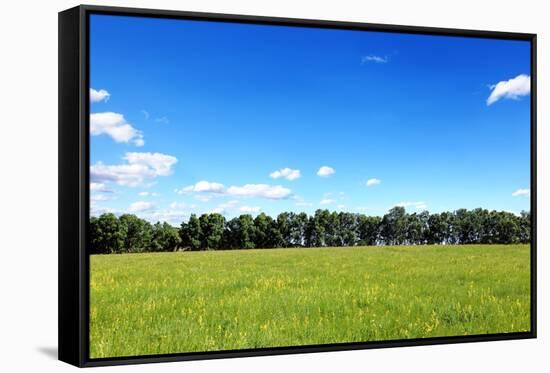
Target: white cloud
[[114, 125], [160, 163], [521, 193], [300, 201], [139, 167], [234, 205], [325, 171], [97, 210], [259, 190], [230, 204], [141, 206], [373, 181], [99, 187], [95, 197], [202, 187], [222, 208], [249, 209], [511, 89], [375, 59], [98, 96], [145, 114], [419, 205], [248, 190], [149, 194], [341, 207], [181, 206], [326, 201], [202, 197], [286, 173], [175, 214], [173, 217]]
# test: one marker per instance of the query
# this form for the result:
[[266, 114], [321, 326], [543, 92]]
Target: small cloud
[[260, 190], [217, 210], [419, 205], [326, 171], [326, 201], [98, 96], [373, 181], [173, 217], [248, 190], [201, 197], [94, 197], [286, 173], [163, 120], [510, 89], [148, 194], [97, 210], [341, 207], [301, 202], [374, 59], [138, 169], [115, 126], [249, 209], [141, 206], [145, 114], [222, 208], [521, 193], [202, 187], [99, 187], [181, 206]]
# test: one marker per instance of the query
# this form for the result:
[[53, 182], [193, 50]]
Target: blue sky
[[192, 117]]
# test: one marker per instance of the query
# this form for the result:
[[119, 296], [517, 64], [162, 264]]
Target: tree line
[[128, 233]]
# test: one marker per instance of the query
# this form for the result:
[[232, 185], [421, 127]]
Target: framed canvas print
[[235, 186]]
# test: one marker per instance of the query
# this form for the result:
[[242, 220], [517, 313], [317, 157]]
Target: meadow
[[158, 303]]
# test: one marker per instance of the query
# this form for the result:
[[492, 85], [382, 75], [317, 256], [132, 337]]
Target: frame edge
[[69, 188]]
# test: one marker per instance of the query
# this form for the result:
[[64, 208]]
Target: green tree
[[332, 229], [266, 232], [298, 227], [368, 228], [190, 233], [107, 235], [349, 235], [284, 228], [437, 229], [138, 233], [414, 229], [245, 232], [524, 224], [393, 226], [165, 237], [212, 227]]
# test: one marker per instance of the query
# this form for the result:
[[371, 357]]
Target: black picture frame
[[74, 183]]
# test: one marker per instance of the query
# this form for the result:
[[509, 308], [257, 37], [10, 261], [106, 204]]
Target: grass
[[162, 303]]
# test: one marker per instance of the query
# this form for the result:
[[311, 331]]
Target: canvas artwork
[[263, 186]]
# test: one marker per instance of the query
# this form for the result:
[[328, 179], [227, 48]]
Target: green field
[[161, 303]]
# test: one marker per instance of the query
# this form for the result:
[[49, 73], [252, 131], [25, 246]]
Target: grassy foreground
[[222, 300]]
